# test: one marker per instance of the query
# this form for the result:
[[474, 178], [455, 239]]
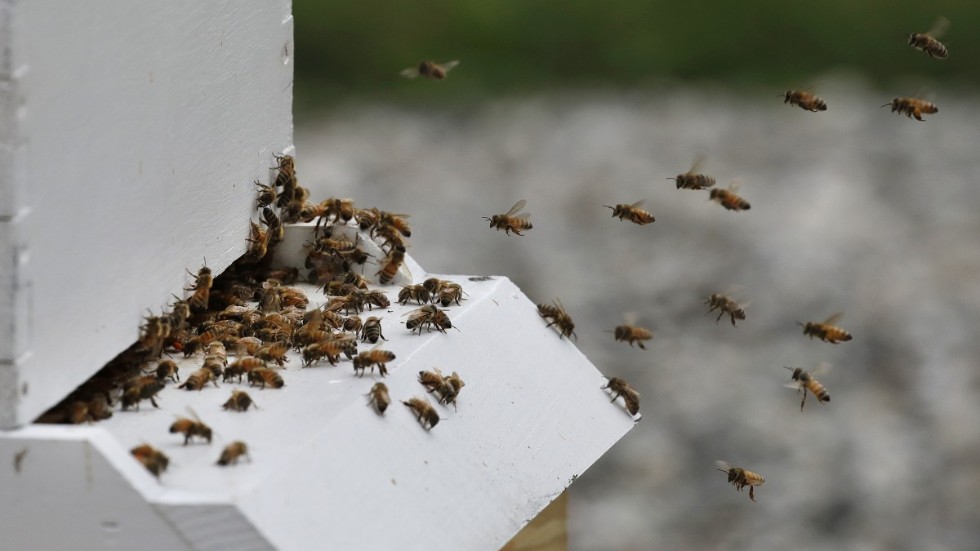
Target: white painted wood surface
[[131, 135], [326, 468]]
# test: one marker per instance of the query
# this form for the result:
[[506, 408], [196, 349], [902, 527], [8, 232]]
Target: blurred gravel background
[[855, 209]]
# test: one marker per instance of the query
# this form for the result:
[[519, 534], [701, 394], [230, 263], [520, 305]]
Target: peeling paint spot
[[285, 54], [110, 526], [23, 389], [19, 460]]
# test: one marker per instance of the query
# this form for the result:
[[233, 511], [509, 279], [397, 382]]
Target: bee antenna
[[722, 470], [789, 368], [801, 324], [886, 105]]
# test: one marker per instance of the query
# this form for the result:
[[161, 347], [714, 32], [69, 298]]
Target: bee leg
[[187, 438], [733, 319], [804, 398], [640, 344], [752, 493], [720, 314], [617, 395], [154, 402]]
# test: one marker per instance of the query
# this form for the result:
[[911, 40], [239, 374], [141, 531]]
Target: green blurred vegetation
[[355, 49]]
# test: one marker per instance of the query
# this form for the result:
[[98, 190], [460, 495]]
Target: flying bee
[[167, 369], [370, 358], [692, 179], [199, 379], [929, 42], [630, 332], [558, 317], [430, 70], [371, 331], [267, 195], [805, 100], [805, 381], [141, 388], [239, 401], [190, 428], [202, 289], [379, 397], [912, 107], [741, 478], [633, 213], [826, 330], [725, 305], [511, 223], [729, 198], [424, 412], [418, 292], [391, 264], [631, 398], [232, 452], [265, 376], [153, 459]]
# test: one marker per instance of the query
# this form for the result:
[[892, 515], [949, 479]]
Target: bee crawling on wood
[[379, 397], [153, 459], [424, 412], [239, 401], [510, 221], [741, 478], [141, 388], [190, 428], [202, 289], [826, 330], [557, 316], [631, 398], [370, 358], [430, 70], [265, 376], [633, 213]]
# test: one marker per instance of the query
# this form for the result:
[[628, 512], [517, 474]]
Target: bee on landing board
[[558, 317], [370, 358], [510, 221], [379, 397], [805, 100], [425, 413], [371, 331], [265, 376], [805, 381], [141, 388], [913, 107], [929, 42], [239, 401], [199, 379], [633, 213], [190, 428], [390, 265], [430, 70], [153, 459], [826, 330], [232, 452], [631, 398], [201, 288], [725, 305], [729, 198], [630, 332], [741, 478], [692, 179]]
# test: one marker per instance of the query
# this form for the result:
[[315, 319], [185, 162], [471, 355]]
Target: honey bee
[[329, 349], [239, 401], [430, 70], [741, 478], [912, 107], [929, 42], [273, 353], [558, 317], [379, 397], [214, 364], [217, 350], [267, 195], [202, 289], [247, 345], [277, 232], [631, 333], [396, 221], [153, 459], [729, 199], [232, 452], [446, 387], [426, 317], [141, 388], [509, 222], [804, 382], [432, 380], [805, 100], [190, 428], [154, 334], [371, 331], [425, 413], [287, 171], [354, 324], [264, 376], [167, 369], [370, 358], [375, 298], [631, 398], [418, 292], [242, 366], [391, 264], [199, 379], [692, 179], [633, 213], [450, 294], [725, 305], [98, 407], [826, 330]]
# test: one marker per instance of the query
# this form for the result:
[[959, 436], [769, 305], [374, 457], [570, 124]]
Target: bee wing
[[939, 28], [449, 65], [522, 216], [822, 369], [795, 385], [834, 318], [637, 204], [722, 465], [697, 163], [735, 185], [631, 317], [410, 73], [517, 206], [193, 414]]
